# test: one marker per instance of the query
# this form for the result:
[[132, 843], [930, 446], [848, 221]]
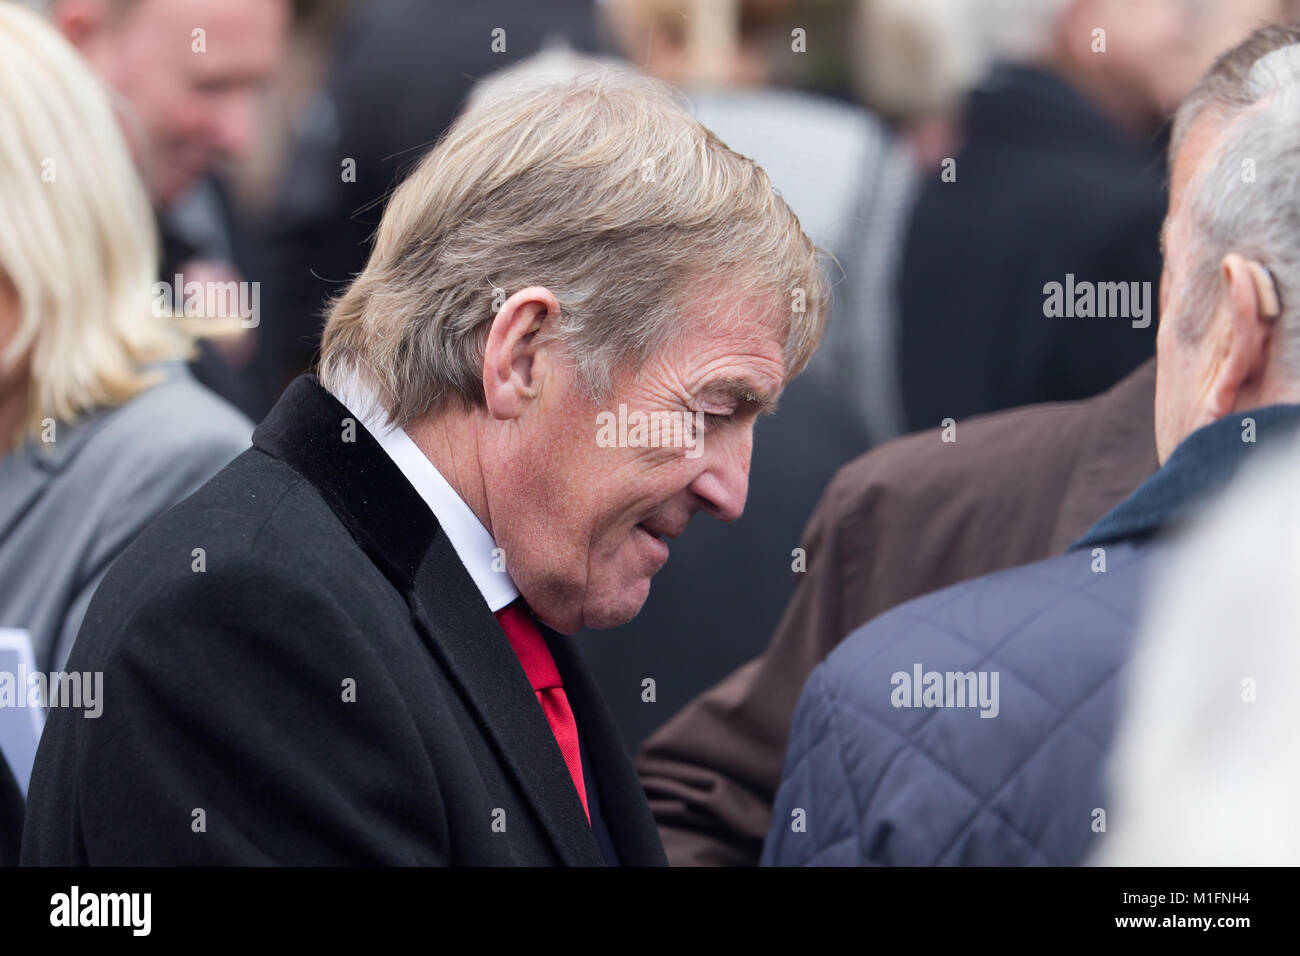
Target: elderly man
[[970, 726], [344, 648]]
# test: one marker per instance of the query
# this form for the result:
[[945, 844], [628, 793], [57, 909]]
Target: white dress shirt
[[472, 542]]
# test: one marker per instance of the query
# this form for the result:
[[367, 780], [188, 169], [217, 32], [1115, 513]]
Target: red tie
[[530, 647]]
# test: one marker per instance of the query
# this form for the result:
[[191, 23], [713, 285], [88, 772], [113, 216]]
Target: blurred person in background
[[101, 425], [1057, 174], [913, 516], [890, 760], [188, 77], [1206, 769]]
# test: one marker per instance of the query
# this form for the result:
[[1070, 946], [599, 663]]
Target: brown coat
[[910, 517]]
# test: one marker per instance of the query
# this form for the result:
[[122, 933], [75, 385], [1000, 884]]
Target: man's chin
[[619, 611]]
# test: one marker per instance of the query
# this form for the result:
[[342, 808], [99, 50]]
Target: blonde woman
[[101, 426]]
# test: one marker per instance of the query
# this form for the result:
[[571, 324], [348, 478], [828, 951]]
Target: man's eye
[[712, 421], [707, 421]]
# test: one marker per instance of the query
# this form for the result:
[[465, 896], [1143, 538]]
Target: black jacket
[[1045, 187], [227, 734]]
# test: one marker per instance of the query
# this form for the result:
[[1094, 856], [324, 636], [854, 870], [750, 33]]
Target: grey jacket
[[68, 507]]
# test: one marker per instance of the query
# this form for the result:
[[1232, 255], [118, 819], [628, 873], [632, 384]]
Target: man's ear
[[1244, 333], [1073, 30], [83, 23], [513, 365]]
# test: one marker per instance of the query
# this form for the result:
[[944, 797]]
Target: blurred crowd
[[985, 470]]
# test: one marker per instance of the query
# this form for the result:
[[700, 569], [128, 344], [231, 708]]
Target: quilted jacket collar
[[1200, 466]]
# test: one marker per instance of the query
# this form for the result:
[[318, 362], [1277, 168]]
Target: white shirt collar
[[471, 541]]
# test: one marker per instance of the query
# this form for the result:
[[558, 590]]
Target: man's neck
[[451, 442]]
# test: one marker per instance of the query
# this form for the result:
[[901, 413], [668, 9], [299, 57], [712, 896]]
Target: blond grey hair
[[602, 188], [77, 237]]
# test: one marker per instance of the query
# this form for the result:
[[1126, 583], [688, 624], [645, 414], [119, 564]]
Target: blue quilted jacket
[[970, 726]]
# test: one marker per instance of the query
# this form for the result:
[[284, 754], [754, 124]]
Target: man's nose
[[724, 483], [234, 123]]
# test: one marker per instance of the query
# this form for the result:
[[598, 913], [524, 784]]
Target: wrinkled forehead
[[738, 306]]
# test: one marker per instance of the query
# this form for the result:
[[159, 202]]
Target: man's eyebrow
[[742, 392]]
